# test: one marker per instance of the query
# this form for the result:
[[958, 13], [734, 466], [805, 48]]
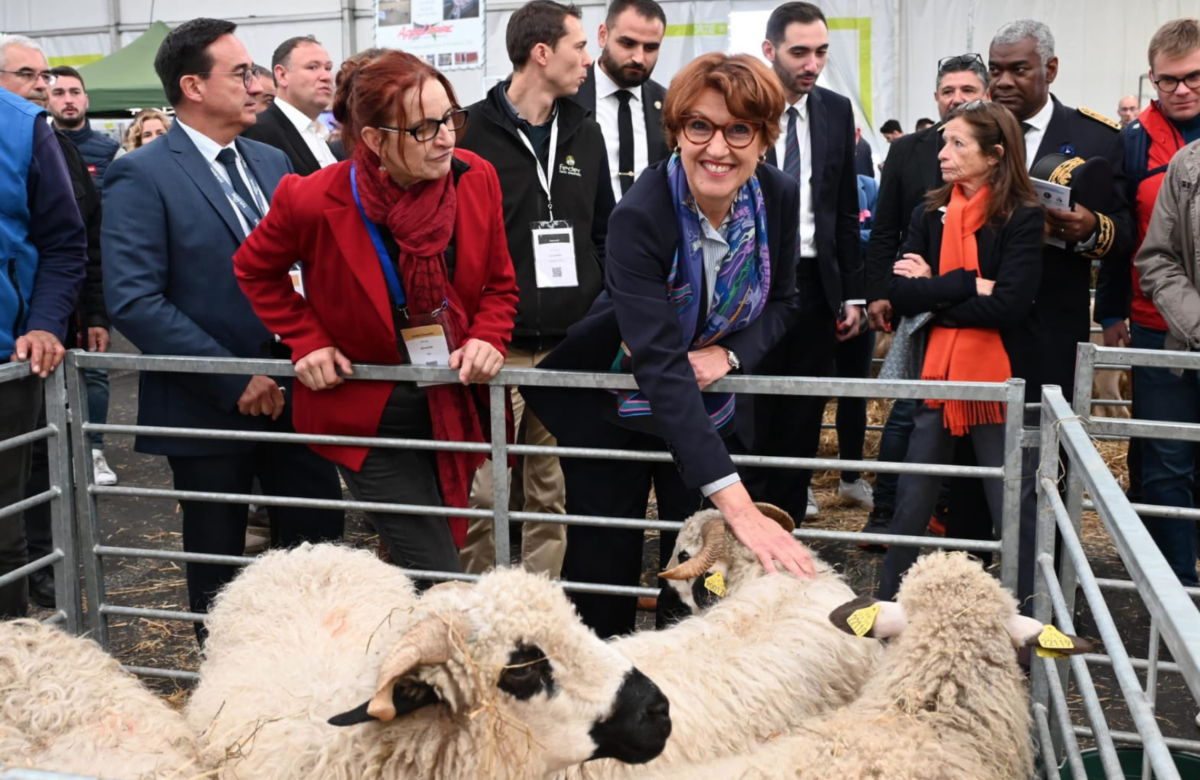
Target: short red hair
[[751, 92], [371, 89]]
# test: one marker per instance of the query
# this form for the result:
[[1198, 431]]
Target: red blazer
[[314, 220]]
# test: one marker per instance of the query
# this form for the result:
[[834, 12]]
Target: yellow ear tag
[[861, 620], [715, 583], [1050, 641]]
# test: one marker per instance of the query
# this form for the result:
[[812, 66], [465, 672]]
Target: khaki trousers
[[542, 544]]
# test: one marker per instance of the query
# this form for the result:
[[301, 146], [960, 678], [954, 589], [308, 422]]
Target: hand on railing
[[98, 339], [318, 370], [709, 364], [42, 349], [477, 361], [262, 396]]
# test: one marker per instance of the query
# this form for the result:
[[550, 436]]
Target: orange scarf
[[965, 354]]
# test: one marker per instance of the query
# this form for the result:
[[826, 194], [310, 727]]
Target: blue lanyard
[[385, 261]]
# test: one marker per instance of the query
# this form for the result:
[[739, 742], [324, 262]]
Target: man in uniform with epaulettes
[[1022, 65]]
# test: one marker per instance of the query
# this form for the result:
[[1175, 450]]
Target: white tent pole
[[114, 23]]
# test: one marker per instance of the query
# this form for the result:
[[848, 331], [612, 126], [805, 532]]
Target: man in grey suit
[[176, 212], [619, 87]]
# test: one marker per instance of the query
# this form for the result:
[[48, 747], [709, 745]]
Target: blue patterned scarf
[[739, 293]]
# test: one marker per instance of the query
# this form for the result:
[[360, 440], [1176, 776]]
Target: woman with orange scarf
[[972, 258]]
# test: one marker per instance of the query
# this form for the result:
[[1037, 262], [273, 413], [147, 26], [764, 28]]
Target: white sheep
[[756, 662], [947, 702], [495, 680], [67, 706]]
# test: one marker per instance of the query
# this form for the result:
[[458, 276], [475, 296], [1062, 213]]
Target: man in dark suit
[[1022, 66], [303, 75], [816, 147], [177, 211], [910, 172], [619, 84]]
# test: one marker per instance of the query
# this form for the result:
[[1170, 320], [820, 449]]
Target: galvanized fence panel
[[1173, 615], [100, 609], [68, 604]]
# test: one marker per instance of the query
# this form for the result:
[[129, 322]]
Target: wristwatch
[[735, 363]]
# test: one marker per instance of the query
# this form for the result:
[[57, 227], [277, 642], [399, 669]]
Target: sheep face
[[705, 547], [510, 663]]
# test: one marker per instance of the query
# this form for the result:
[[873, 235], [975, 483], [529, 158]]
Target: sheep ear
[[1027, 632], [870, 617], [405, 698]]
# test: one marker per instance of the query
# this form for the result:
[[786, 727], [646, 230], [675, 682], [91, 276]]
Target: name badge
[[427, 346], [554, 254]]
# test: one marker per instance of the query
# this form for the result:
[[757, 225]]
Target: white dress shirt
[[313, 131], [808, 222], [714, 244], [1033, 137], [607, 106], [209, 149]]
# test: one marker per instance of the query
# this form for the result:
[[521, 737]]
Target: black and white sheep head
[[706, 547], [948, 599], [512, 663]]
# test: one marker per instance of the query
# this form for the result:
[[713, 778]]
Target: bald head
[[1128, 109]]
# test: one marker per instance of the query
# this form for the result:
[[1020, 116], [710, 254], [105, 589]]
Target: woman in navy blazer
[[681, 314]]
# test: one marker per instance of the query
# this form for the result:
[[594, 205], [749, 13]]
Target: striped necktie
[[791, 154]]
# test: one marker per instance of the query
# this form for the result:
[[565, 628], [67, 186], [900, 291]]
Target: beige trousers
[[542, 544]]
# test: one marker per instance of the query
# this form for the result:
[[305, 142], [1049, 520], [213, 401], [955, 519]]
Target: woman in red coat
[[403, 259]]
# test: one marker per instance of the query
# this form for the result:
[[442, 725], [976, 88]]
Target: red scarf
[[965, 354], [421, 219]]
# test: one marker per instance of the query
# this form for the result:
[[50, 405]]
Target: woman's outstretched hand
[[762, 535]]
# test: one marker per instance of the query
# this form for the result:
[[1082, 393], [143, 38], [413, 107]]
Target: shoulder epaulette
[[1101, 118]]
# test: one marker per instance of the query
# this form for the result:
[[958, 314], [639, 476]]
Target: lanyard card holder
[[554, 253], [429, 339]]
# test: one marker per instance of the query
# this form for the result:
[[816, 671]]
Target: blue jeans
[[893, 447], [1168, 467], [96, 380]]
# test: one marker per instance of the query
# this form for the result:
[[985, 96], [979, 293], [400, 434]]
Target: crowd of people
[[583, 216]]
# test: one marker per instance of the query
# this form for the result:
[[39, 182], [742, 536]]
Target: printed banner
[[449, 34]]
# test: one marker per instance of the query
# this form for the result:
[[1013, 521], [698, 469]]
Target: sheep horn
[[713, 534], [778, 515], [428, 643]]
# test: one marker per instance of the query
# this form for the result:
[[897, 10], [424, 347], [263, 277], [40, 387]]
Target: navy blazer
[[835, 200], [634, 308], [168, 240], [1010, 254]]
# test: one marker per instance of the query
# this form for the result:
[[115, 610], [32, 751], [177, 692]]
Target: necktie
[[791, 153], [228, 158], [624, 140], [1026, 127]]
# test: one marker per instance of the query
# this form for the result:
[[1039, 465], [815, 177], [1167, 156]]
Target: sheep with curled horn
[[947, 701], [68, 706], [322, 663], [757, 662]]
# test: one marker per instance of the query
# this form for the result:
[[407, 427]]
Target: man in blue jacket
[[43, 251], [174, 213], [68, 105]]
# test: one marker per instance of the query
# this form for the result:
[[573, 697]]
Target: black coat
[[909, 173], [91, 311], [835, 202], [582, 192], [635, 309], [653, 96], [1009, 254], [1065, 296], [273, 128]]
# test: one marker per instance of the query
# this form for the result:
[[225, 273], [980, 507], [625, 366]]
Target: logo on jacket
[[567, 167]]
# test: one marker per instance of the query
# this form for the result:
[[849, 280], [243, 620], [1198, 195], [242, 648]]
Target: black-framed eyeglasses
[[29, 74], [1171, 83], [248, 77], [428, 129], [963, 61], [738, 134]]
